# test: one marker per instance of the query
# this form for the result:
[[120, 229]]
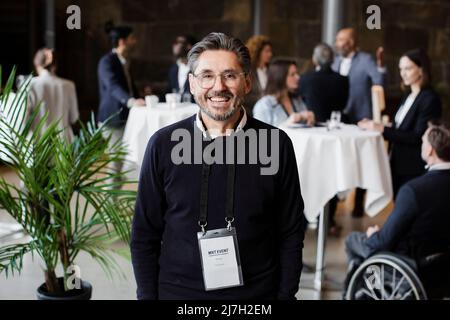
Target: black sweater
[[269, 220]]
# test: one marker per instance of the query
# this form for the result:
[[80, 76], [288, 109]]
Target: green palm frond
[[11, 257], [65, 203]]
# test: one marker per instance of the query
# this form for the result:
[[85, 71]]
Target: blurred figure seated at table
[[420, 104], [260, 48], [418, 226], [279, 105], [57, 95], [323, 90], [178, 72]]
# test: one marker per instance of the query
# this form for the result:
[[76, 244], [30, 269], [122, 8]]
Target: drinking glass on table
[[186, 97], [151, 100], [172, 99], [335, 120]]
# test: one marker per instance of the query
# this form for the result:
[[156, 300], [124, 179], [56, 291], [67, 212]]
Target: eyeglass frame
[[215, 77]]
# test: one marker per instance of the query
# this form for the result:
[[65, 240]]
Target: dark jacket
[[173, 81], [114, 92], [324, 91], [363, 75], [268, 212], [406, 140], [420, 223]]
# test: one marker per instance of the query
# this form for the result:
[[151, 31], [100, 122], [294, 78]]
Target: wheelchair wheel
[[385, 277]]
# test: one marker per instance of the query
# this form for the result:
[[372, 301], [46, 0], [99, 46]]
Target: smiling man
[[215, 230]]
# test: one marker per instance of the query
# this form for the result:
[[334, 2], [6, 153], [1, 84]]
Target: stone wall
[[293, 25]]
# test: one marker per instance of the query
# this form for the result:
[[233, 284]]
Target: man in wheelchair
[[418, 227]]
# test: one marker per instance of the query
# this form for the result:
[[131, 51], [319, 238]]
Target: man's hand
[[371, 125], [380, 57], [371, 230]]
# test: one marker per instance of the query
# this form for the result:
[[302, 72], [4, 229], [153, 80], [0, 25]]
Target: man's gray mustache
[[221, 94]]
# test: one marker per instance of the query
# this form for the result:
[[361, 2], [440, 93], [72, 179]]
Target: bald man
[[363, 72]]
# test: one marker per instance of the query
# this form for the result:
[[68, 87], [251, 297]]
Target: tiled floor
[[24, 286]]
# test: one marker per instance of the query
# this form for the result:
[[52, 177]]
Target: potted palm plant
[[65, 202]]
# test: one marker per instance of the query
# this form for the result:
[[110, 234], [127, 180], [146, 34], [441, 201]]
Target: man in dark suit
[[178, 72], [363, 73], [117, 89], [418, 226], [323, 90]]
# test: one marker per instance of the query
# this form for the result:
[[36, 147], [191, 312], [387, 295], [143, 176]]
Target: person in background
[[279, 105], [419, 105], [363, 72], [418, 226], [323, 90], [260, 49], [57, 95], [117, 90], [178, 72]]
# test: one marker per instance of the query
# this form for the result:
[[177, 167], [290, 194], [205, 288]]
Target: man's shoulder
[[308, 77], [318, 75], [107, 58], [308, 74], [432, 180], [364, 56]]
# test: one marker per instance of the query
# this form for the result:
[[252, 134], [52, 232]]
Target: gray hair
[[323, 55], [220, 41]]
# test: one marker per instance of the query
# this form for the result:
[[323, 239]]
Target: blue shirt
[[270, 111]]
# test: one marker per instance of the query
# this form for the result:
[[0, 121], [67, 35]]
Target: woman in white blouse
[[279, 105], [420, 105]]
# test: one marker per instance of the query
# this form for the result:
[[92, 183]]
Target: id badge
[[219, 253]]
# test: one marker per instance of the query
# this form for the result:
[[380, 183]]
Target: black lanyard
[[229, 205]]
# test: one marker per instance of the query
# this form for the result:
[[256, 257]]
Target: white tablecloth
[[142, 123], [334, 161]]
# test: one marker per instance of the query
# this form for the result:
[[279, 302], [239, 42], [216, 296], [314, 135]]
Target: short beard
[[221, 117]]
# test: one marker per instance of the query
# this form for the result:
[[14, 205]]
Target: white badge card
[[219, 254]]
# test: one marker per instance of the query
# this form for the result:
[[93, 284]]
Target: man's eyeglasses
[[207, 80]]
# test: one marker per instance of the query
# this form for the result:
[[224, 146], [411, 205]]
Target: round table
[[142, 123], [334, 161]]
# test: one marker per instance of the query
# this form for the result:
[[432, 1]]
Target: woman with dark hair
[[260, 49], [279, 105], [419, 105]]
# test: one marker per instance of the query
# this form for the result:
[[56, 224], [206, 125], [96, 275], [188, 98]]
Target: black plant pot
[[84, 293]]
